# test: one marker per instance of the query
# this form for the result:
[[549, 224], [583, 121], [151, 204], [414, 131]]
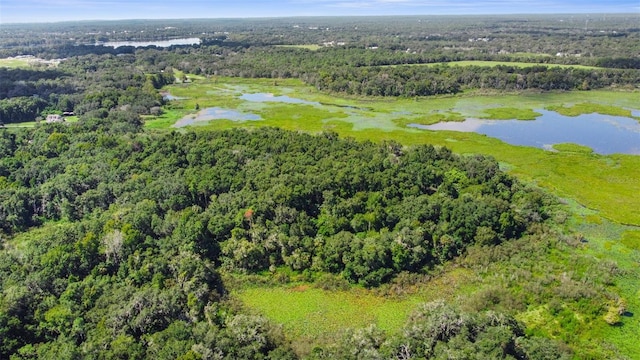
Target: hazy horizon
[[42, 11]]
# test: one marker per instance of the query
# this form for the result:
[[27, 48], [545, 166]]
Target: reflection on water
[[266, 97], [215, 113], [167, 96], [160, 43], [605, 134]]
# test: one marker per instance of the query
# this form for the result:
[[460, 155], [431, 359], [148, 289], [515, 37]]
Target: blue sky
[[12, 11]]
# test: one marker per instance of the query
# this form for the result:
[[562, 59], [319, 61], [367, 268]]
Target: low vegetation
[[511, 113], [506, 63], [588, 108]]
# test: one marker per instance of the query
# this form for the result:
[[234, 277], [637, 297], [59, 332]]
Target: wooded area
[[137, 225]]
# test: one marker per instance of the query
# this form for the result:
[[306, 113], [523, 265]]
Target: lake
[[604, 134], [159, 43], [266, 97]]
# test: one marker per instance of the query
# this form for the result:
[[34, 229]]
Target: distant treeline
[[101, 83], [364, 56]]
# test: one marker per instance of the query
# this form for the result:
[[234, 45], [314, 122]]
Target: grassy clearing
[[309, 312], [163, 121], [26, 62], [310, 315], [538, 55], [503, 63], [312, 47], [15, 63], [29, 124]]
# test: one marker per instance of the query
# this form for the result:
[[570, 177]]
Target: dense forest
[[137, 227], [84, 85], [119, 242]]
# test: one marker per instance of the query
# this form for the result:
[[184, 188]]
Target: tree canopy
[[135, 228]]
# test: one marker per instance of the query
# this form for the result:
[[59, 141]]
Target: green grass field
[[25, 62], [503, 63], [29, 124], [14, 63], [309, 314], [312, 47]]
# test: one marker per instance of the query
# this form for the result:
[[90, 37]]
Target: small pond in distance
[[604, 134], [215, 113]]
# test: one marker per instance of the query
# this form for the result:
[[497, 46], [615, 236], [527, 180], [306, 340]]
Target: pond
[[158, 43], [215, 113], [267, 97], [604, 134]]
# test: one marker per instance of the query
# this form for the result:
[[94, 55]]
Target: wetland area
[[603, 133], [600, 122]]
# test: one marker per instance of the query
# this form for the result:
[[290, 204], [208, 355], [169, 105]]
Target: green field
[[14, 63], [503, 63], [602, 193], [309, 314], [25, 62], [311, 47], [29, 124]]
